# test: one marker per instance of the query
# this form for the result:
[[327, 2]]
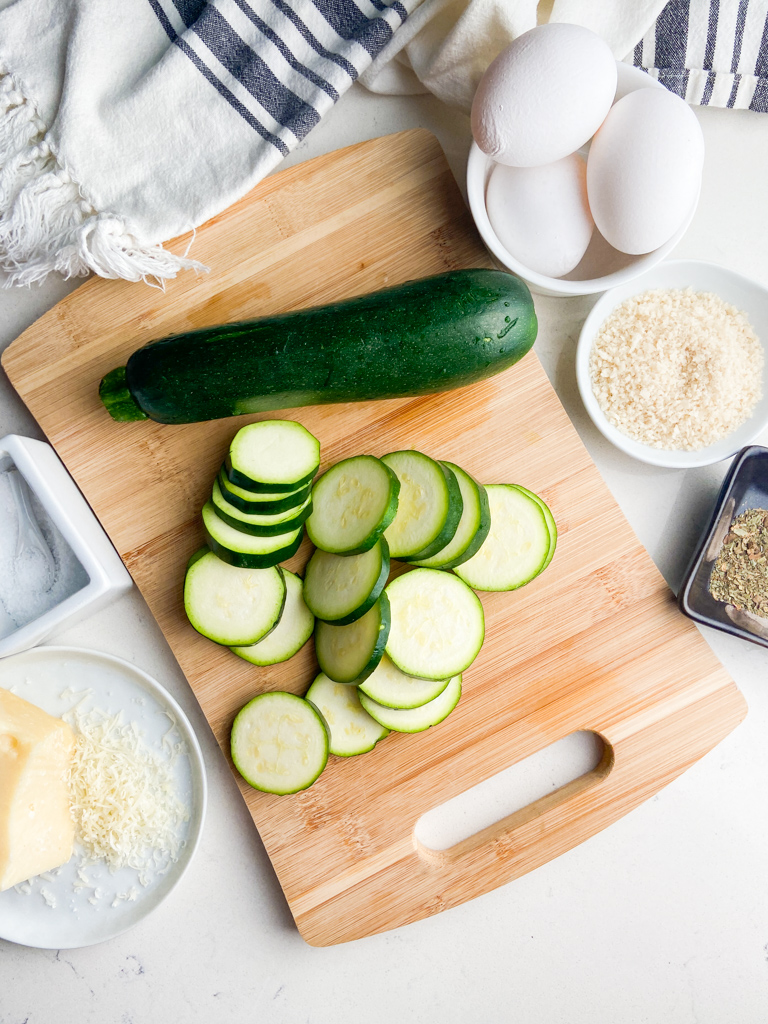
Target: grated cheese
[[124, 800], [49, 897]]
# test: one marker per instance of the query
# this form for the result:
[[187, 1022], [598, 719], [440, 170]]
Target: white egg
[[544, 96], [540, 214], [644, 170]]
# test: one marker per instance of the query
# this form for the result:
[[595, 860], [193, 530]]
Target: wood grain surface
[[595, 643]]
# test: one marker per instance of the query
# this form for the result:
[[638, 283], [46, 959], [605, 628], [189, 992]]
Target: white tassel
[[46, 223]]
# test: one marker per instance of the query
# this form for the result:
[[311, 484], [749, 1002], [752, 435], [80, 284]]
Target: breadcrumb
[[676, 369]]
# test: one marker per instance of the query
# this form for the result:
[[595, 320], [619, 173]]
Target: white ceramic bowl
[[746, 295], [602, 266], [57, 492]]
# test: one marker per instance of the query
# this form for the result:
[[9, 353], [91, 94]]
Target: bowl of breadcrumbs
[[671, 366]]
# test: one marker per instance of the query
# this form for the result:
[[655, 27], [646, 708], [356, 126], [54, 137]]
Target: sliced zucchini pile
[[392, 654], [419, 718], [429, 509], [351, 653], [290, 632], [231, 605], [253, 520], [438, 624], [520, 543], [351, 729], [353, 504], [279, 743], [272, 457], [340, 589]]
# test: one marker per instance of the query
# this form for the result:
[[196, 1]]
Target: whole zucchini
[[417, 338]]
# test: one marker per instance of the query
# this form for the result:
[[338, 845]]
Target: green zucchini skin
[[418, 338]]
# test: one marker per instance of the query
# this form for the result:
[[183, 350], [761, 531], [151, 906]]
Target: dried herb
[[740, 574]]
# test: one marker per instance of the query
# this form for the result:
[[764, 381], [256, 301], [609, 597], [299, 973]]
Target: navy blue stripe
[[231, 98], [315, 43], [190, 10], [709, 49], [221, 89], [738, 39], [349, 22], [761, 64], [638, 58], [380, 5], [672, 36], [760, 98], [296, 64], [734, 91], [706, 96], [254, 74], [344, 16], [375, 35], [163, 19], [249, 69]]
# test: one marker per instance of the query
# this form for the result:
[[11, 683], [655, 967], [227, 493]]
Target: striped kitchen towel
[[710, 52], [124, 123]]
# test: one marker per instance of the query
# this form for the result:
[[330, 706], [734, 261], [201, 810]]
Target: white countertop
[[663, 917]]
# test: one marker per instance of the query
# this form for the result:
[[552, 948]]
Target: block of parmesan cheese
[[37, 831]]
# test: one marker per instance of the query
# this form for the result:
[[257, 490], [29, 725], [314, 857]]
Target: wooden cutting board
[[595, 643]]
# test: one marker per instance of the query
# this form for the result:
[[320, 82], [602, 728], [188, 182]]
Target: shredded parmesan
[[676, 369], [124, 800]]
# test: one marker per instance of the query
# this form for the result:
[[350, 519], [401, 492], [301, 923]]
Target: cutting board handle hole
[[495, 807]]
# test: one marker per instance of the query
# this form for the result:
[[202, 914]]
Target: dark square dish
[[745, 486]]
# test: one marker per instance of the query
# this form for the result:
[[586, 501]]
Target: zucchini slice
[[242, 549], [551, 524], [266, 503], [429, 507], [517, 546], [351, 729], [349, 654], [415, 719], [259, 525], [394, 689], [341, 588], [473, 526], [290, 634], [279, 743], [204, 550], [438, 624], [354, 503], [272, 455], [231, 605]]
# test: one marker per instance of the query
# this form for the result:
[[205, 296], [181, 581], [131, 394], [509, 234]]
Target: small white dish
[[41, 676], [746, 295], [602, 267], [57, 492]]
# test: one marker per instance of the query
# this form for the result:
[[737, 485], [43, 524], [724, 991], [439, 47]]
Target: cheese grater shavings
[[124, 801]]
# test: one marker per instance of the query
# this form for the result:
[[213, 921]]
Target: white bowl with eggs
[[602, 266], [747, 296]]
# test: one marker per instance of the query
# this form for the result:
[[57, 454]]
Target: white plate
[[40, 676], [748, 296]]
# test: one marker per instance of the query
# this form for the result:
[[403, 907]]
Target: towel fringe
[[46, 222]]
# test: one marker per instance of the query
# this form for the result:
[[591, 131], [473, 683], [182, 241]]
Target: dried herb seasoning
[[740, 574]]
